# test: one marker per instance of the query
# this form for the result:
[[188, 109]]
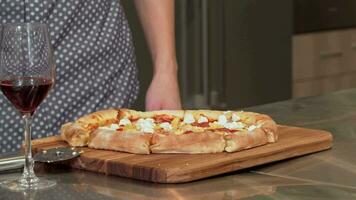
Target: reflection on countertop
[[326, 175]]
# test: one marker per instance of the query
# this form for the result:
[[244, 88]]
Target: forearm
[[157, 18]]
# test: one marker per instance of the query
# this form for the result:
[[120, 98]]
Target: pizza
[[170, 131]]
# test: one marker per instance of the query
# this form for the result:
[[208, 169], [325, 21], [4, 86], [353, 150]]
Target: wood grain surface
[[178, 168]]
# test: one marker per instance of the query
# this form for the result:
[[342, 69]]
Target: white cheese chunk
[[114, 126], [202, 119], [226, 112], [222, 120], [148, 130], [124, 122], [235, 117], [230, 126], [146, 125], [106, 128], [234, 125], [188, 119], [251, 128], [166, 126], [240, 125]]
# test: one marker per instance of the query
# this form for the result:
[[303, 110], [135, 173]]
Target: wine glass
[[27, 74]]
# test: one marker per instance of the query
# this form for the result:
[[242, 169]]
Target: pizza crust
[[75, 134], [99, 118], [204, 142], [245, 140], [267, 125], [132, 142]]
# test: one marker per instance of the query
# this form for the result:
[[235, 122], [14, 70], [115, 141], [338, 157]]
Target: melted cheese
[[175, 123], [112, 127], [222, 120], [146, 125], [166, 126], [215, 125], [188, 119], [202, 119], [235, 117], [106, 128], [124, 122], [251, 128], [234, 125]]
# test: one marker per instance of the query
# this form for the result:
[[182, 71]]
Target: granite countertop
[[329, 174]]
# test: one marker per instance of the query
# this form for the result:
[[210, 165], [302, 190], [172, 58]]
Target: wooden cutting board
[[178, 168]]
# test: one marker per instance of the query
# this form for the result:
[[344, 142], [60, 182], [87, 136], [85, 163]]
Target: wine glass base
[[19, 185]]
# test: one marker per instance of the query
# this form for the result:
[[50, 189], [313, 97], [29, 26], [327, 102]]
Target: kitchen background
[[234, 54]]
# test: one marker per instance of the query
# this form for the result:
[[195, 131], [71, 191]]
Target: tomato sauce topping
[[204, 124], [134, 119], [163, 118], [93, 126], [110, 121], [224, 130]]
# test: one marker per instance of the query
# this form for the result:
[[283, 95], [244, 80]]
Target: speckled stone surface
[[326, 175]]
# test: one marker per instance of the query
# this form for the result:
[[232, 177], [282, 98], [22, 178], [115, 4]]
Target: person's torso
[[95, 62]]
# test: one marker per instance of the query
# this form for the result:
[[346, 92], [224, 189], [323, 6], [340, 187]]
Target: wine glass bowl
[[27, 73]]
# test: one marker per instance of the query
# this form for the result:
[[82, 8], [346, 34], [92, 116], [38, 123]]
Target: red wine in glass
[[26, 93]]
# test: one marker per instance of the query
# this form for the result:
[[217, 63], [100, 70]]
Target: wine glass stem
[[28, 176]]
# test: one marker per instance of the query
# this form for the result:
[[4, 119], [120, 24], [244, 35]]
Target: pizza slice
[[77, 133], [245, 130], [205, 131], [134, 130]]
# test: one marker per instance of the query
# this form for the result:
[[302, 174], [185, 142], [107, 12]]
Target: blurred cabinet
[[324, 62], [234, 54]]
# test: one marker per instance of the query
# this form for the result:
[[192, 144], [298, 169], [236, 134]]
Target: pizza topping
[[175, 122], [224, 130], [222, 120], [203, 124], [179, 132], [163, 118], [106, 128], [234, 125], [215, 125], [235, 117], [146, 125], [188, 118], [112, 127], [92, 126], [124, 122], [252, 127], [166, 126], [226, 112], [202, 119]]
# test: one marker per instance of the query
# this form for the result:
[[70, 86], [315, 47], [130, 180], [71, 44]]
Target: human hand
[[163, 92]]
